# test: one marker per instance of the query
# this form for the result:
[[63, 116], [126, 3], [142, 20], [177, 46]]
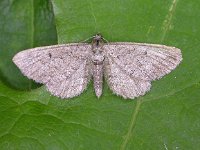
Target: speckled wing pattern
[[130, 67], [64, 69]]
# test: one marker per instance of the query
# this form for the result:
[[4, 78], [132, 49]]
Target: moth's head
[[97, 37]]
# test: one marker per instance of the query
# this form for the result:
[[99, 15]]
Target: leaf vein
[[132, 125], [168, 19]]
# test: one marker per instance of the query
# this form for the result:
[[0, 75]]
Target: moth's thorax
[[97, 49], [98, 56]]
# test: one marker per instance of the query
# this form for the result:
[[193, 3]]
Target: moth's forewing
[[64, 69]]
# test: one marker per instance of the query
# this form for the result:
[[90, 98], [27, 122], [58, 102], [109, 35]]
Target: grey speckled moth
[[128, 68]]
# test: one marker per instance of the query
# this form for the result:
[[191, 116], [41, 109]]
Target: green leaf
[[165, 118], [24, 24]]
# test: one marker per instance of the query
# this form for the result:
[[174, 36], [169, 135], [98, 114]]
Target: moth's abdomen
[[98, 74], [98, 79]]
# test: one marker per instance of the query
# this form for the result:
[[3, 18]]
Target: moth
[[127, 67]]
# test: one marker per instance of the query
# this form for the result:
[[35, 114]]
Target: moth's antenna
[[86, 39], [105, 40]]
